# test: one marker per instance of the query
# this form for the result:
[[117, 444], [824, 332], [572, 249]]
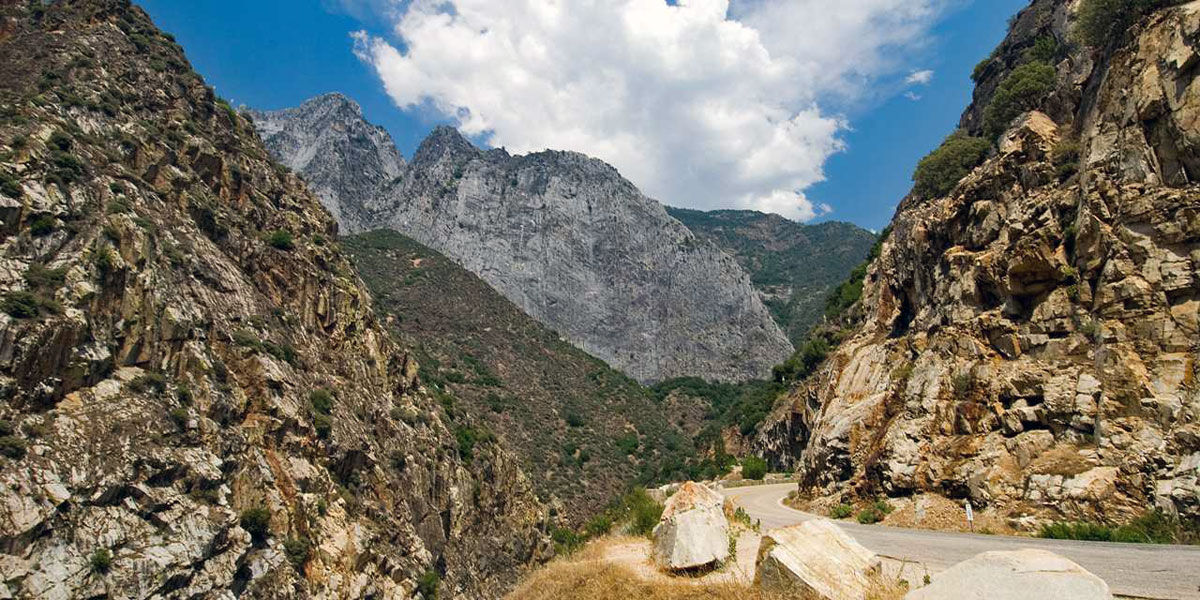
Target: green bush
[[9, 185], [321, 401], [39, 276], [870, 515], [1099, 22], [1152, 527], [644, 512], [281, 239], [468, 437], [841, 511], [13, 447], [628, 443], [101, 561], [428, 584], [298, 551], [323, 424], [42, 226], [754, 467], [938, 173], [257, 522], [1065, 157], [574, 419], [1024, 89], [565, 540], [980, 67], [148, 382], [1045, 49], [20, 305], [179, 416]]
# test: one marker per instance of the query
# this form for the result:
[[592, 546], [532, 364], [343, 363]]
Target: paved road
[[1137, 570]]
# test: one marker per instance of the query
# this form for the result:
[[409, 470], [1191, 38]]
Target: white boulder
[[1014, 575], [815, 559], [693, 531]]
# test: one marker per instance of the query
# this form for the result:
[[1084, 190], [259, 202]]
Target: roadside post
[[970, 516]]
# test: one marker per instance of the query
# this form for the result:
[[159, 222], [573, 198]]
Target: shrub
[[281, 239], [101, 561], [644, 512], [39, 276], [841, 511], [12, 447], [574, 419], [41, 226], [60, 141], [179, 416], [1152, 527], [754, 467], [628, 443], [980, 67], [1024, 89], [9, 185], [938, 173], [869, 515], [257, 522], [428, 584], [1045, 49], [298, 550], [20, 305], [1065, 157], [598, 525], [468, 438], [1099, 22], [148, 382], [323, 424], [321, 401], [565, 540]]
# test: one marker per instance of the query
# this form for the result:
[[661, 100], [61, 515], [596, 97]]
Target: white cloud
[[704, 104], [912, 96], [919, 77]]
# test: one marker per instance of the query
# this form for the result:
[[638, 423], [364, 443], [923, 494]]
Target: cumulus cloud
[[703, 104], [919, 77]]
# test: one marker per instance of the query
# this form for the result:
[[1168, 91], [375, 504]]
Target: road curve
[[1136, 570]]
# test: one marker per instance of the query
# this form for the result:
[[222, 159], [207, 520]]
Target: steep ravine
[[196, 399], [1030, 338]]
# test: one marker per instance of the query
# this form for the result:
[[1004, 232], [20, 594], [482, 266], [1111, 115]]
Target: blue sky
[[274, 53]]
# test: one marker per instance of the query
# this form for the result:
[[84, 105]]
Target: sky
[[788, 106]]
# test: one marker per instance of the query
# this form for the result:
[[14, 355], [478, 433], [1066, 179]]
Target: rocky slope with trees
[[196, 399], [1029, 329]]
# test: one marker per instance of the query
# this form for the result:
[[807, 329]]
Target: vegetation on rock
[[1022, 90], [943, 168], [1102, 22]]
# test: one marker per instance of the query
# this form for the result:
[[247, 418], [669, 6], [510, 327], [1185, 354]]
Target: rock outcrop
[[1014, 575], [196, 399], [1030, 339], [693, 532], [329, 143], [574, 245], [815, 559]]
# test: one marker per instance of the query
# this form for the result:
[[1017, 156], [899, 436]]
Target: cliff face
[[793, 266], [579, 248], [337, 152], [1030, 339], [195, 397]]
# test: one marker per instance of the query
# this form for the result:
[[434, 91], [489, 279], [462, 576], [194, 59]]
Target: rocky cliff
[[1029, 339], [339, 154], [793, 266], [579, 248], [195, 397]]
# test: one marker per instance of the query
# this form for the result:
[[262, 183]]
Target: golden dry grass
[[594, 574]]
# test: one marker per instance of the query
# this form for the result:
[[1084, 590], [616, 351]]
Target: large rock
[[693, 531], [1016, 575], [815, 559]]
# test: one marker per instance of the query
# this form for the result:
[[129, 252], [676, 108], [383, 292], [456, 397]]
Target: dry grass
[[600, 572]]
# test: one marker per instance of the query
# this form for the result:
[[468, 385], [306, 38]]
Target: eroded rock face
[[815, 559], [161, 436], [575, 246], [1014, 575], [1030, 340], [693, 531]]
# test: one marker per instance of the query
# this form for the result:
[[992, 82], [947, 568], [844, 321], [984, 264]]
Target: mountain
[[198, 400], [583, 430], [574, 245], [793, 266], [1030, 326], [339, 153]]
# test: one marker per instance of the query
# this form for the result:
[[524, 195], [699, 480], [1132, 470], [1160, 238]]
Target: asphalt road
[[1136, 570]]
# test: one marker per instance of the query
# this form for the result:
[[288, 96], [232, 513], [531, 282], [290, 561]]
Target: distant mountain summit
[[561, 235], [340, 154]]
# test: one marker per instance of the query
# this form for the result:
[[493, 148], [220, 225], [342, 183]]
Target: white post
[[970, 516]]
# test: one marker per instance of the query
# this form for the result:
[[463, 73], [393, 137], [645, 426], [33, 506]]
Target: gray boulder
[[815, 559], [1026, 574], [693, 531]]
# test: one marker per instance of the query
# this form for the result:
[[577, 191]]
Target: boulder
[[1014, 575], [815, 559], [693, 531]]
